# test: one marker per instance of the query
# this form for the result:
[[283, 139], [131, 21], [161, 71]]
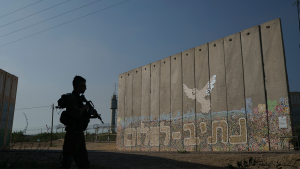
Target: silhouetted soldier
[[74, 144]]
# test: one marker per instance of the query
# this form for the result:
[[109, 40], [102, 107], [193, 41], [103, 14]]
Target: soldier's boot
[[83, 165]]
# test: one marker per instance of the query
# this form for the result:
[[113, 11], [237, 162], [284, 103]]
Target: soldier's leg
[[81, 157], [69, 148]]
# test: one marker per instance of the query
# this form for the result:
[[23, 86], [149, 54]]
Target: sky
[[104, 44]]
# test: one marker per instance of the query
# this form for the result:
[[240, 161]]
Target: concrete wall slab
[[5, 107], [254, 90], [154, 106], [202, 81], [165, 104], [2, 86], [129, 136], [189, 100], [275, 81], [145, 113], [11, 110], [218, 96], [136, 111], [235, 93], [121, 113], [176, 103]]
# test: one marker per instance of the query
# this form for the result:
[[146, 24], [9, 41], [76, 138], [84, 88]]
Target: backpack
[[64, 119], [62, 101]]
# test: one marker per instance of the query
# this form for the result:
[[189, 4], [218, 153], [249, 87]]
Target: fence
[[94, 133]]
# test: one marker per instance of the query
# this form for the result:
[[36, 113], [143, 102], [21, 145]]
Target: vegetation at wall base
[[182, 151], [45, 137], [244, 163]]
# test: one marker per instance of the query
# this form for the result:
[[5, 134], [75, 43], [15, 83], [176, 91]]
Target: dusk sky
[[115, 40]]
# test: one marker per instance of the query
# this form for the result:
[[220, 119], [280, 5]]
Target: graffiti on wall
[[253, 129]]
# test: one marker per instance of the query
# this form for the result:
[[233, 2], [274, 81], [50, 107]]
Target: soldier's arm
[[72, 107]]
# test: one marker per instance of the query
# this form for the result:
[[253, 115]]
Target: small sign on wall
[[282, 122]]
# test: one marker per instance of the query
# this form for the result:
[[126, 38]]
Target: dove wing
[[210, 85], [189, 92]]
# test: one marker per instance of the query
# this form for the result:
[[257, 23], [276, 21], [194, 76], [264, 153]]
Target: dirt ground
[[58, 144], [106, 155]]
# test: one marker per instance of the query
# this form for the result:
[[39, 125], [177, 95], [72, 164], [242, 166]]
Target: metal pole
[[109, 133], [95, 136], [52, 125]]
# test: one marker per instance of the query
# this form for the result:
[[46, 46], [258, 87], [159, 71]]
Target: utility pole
[[297, 3], [52, 125]]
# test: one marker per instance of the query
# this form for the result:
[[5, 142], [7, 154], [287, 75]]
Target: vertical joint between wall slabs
[[210, 111], [196, 127], [264, 80], [181, 78], [159, 81], [246, 113], [226, 92], [170, 99], [141, 108]]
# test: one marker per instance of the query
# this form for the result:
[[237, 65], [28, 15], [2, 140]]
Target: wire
[[34, 14], [63, 23], [47, 19], [297, 4], [20, 9], [33, 107]]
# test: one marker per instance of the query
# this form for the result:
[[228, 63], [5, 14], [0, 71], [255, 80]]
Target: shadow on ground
[[131, 160]]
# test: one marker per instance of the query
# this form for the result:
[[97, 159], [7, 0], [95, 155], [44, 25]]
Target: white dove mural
[[201, 95]]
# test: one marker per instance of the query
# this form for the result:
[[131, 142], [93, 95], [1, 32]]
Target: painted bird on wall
[[201, 95]]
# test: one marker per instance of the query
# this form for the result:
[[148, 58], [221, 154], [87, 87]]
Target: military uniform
[[74, 144]]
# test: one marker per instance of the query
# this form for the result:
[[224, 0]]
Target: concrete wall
[[227, 95], [8, 91]]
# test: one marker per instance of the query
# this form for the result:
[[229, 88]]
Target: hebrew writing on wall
[[227, 95]]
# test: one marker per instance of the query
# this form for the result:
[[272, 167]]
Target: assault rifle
[[91, 108]]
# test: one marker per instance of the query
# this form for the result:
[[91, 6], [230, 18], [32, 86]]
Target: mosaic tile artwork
[[176, 132], [164, 132], [277, 110], [204, 130]]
